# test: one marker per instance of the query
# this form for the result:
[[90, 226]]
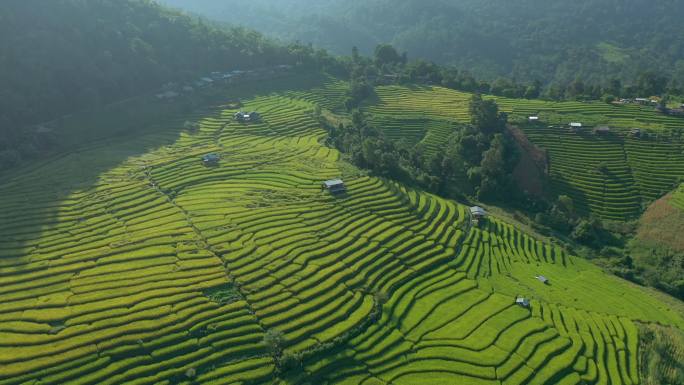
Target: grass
[[158, 270], [661, 355]]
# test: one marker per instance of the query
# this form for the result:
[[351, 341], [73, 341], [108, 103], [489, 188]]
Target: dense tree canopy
[[61, 56], [549, 40]]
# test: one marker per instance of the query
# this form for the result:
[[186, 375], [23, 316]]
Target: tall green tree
[[485, 115]]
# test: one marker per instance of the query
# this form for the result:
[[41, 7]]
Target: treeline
[[553, 41], [63, 56], [387, 65]]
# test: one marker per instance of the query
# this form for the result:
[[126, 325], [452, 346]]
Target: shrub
[[274, 341]]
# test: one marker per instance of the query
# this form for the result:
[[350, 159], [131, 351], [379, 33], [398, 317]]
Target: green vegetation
[[125, 272], [662, 355], [127, 259], [658, 248], [678, 198], [580, 43], [88, 54], [611, 175]]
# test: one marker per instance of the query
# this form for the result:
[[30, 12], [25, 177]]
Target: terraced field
[[611, 176], [130, 262]]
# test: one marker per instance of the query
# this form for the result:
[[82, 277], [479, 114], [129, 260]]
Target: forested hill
[[547, 40], [61, 56]]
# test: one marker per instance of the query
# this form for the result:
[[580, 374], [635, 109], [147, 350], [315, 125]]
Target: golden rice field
[[130, 262]]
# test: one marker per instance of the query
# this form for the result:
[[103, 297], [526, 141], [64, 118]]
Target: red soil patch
[[531, 170]]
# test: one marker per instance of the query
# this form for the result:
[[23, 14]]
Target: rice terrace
[[161, 270], [252, 192]]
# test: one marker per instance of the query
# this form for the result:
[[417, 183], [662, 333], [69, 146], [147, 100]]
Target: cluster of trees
[[554, 41], [63, 56], [563, 217], [478, 158], [615, 247], [654, 265], [388, 65]]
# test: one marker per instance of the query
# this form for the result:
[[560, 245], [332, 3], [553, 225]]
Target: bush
[[274, 341]]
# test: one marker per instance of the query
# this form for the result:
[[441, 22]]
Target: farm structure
[[522, 301], [246, 117], [211, 159], [575, 126], [334, 186], [542, 279], [602, 130]]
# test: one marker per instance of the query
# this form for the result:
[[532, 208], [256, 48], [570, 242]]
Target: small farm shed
[[335, 186], [602, 130], [247, 116], [524, 302], [478, 212], [211, 159], [636, 132], [533, 119], [642, 100], [542, 279], [576, 126]]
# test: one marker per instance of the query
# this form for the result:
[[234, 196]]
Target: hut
[[542, 279], [635, 132], [601, 130], [211, 159], [245, 117], [478, 212], [334, 186], [522, 301], [533, 119], [576, 127]]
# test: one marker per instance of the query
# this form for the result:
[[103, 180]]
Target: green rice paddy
[[112, 258]]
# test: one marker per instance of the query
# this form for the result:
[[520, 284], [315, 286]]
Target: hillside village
[[171, 90]]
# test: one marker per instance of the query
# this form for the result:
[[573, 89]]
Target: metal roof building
[[334, 186]]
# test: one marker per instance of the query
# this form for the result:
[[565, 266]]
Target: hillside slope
[[658, 245], [63, 56], [610, 175], [154, 269], [591, 40]]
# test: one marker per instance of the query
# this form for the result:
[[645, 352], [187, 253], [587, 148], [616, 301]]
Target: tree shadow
[[38, 197]]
